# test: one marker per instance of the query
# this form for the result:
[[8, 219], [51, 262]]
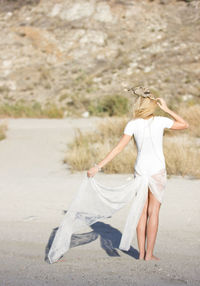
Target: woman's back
[[148, 134]]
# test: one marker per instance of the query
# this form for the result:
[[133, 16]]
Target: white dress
[[95, 201]]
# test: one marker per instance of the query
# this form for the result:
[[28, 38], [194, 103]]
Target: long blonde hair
[[144, 107]]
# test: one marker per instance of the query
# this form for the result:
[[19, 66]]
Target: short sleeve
[[166, 122], [129, 128]]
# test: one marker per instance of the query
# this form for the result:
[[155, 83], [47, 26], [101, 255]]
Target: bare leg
[[141, 231], [152, 226]]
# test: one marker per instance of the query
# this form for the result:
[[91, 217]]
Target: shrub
[[111, 105]]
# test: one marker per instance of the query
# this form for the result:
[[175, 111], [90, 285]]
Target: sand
[[36, 189]]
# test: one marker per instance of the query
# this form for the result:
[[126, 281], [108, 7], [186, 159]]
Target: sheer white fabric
[[95, 201]]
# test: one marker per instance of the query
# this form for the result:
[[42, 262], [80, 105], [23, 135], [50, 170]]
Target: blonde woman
[[147, 130], [94, 201]]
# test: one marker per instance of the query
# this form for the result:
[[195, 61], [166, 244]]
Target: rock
[[148, 69], [75, 12], [85, 114], [129, 71], [97, 79], [66, 114], [12, 85], [93, 37], [103, 13], [7, 63], [8, 15], [187, 97], [56, 10]]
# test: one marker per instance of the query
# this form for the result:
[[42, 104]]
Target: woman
[[147, 130], [95, 201]]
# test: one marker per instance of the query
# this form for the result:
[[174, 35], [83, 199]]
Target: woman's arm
[[114, 152], [179, 123]]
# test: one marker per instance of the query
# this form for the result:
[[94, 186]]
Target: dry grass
[[91, 147], [181, 152], [182, 156], [27, 110], [3, 129], [82, 157], [192, 115]]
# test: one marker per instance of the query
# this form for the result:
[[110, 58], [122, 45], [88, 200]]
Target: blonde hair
[[144, 107]]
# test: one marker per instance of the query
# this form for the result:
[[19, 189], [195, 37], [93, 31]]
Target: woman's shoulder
[[164, 121], [161, 116], [131, 126], [134, 119], [155, 117]]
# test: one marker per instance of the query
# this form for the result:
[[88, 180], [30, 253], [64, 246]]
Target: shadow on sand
[[109, 239]]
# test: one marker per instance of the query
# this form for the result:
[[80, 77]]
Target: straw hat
[[142, 91]]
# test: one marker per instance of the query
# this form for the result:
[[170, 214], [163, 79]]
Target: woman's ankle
[[142, 255], [148, 254]]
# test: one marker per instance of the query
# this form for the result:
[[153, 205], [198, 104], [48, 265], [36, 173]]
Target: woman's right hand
[[162, 104], [92, 171]]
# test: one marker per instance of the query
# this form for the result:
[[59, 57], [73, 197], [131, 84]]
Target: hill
[[69, 53]]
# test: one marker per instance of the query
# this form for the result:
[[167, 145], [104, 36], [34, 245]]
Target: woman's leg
[[141, 231], [152, 225]]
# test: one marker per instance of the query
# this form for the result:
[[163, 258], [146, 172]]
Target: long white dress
[[95, 201]]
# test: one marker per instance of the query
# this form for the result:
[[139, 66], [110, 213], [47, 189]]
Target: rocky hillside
[[72, 52]]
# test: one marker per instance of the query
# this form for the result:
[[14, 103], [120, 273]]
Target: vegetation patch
[[34, 110], [181, 151], [111, 105], [3, 129]]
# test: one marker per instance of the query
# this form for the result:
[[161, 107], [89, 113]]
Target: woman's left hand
[[92, 171]]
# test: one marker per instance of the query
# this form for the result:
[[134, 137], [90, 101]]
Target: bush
[[111, 105]]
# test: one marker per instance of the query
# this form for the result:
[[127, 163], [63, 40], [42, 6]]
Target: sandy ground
[[36, 189]]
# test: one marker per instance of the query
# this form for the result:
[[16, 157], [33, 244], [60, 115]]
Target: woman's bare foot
[[142, 256], [151, 258]]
